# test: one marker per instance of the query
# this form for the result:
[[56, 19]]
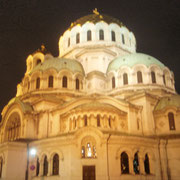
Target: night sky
[[26, 24]]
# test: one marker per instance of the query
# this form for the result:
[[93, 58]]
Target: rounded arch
[[120, 150], [57, 151], [150, 153], [43, 154], [13, 127], [92, 132]]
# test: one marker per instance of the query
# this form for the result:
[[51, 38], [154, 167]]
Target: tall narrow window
[[109, 121], [125, 78], [146, 164], [45, 166], [37, 167], [83, 152], [38, 61], [139, 77], [50, 81], [136, 163], [77, 38], [1, 167], [124, 163], [113, 82], [69, 42], [55, 169], [164, 79], [153, 77], [123, 40], [171, 121], [77, 84], [101, 34], [85, 120], [113, 36], [89, 36], [64, 82], [98, 120], [38, 83]]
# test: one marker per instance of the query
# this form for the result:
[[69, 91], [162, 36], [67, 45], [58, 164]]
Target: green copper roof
[[95, 18], [133, 59], [26, 107], [168, 101], [59, 64]]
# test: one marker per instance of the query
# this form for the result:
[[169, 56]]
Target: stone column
[[49, 166], [131, 169], [41, 167], [141, 165], [163, 159]]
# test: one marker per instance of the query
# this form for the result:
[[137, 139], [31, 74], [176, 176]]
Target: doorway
[[89, 173]]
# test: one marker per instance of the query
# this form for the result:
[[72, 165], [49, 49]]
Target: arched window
[[89, 36], [124, 163], [50, 81], [85, 120], [136, 163], [146, 164], [125, 78], [98, 120], [28, 85], [69, 41], [113, 82], [64, 82], [164, 79], [38, 61], [77, 38], [83, 152], [109, 121], [101, 34], [77, 84], [38, 83], [153, 77], [139, 77], [113, 36], [1, 166], [13, 127], [123, 40], [88, 151], [45, 166], [171, 121], [55, 169], [37, 167]]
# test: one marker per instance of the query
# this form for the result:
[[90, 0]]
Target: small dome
[[95, 18], [133, 59], [59, 64], [167, 102]]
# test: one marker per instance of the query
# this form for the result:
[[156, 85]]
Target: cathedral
[[98, 111]]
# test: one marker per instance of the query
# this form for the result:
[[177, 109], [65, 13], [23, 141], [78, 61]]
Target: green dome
[[59, 64], [132, 60], [168, 101], [95, 18]]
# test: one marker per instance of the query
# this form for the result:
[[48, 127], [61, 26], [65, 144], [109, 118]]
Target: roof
[[167, 102], [132, 60], [59, 64], [26, 107], [95, 18]]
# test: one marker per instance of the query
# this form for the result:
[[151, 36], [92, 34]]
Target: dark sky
[[26, 24]]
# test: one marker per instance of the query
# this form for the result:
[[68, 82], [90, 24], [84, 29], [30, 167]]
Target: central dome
[[95, 18]]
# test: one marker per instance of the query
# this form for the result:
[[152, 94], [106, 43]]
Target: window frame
[[101, 34], [89, 35]]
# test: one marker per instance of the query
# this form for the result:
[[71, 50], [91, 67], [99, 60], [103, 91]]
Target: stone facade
[[98, 111]]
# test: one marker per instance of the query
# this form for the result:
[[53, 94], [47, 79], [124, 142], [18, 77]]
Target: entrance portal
[[89, 173]]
